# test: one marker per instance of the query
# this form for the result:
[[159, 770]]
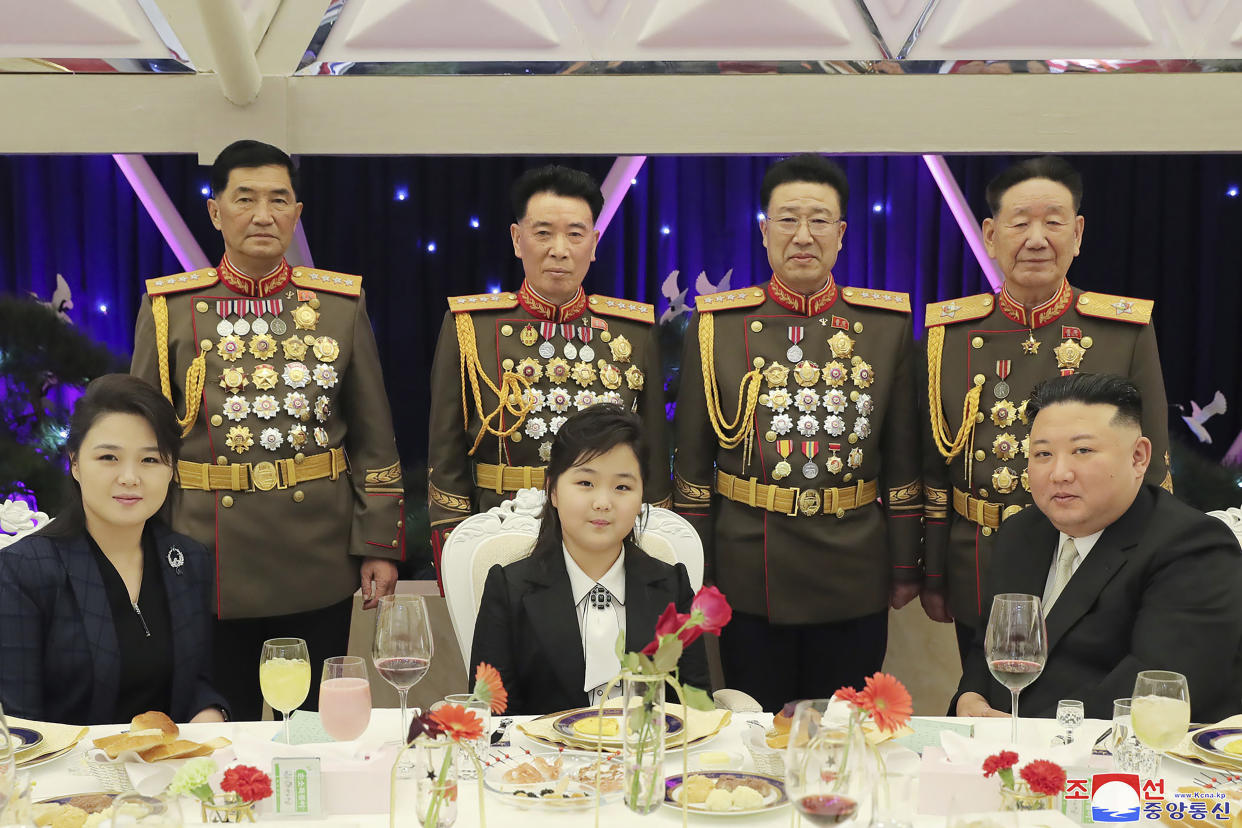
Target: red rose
[[715, 608], [669, 623], [250, 783], [1000, 761], [1044, 777]]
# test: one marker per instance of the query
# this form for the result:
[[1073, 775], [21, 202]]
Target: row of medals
[[296, 375], [807, 374]]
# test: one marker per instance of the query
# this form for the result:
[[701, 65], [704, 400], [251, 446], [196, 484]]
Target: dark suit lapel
[[105, 652], [1032, 558], [644, 589], [181, 608], [549, 605]]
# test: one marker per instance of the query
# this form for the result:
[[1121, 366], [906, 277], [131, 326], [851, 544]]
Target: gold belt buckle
[[263, 476], [809, 502]]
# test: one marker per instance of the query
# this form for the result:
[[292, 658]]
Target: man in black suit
[[1131, 578]]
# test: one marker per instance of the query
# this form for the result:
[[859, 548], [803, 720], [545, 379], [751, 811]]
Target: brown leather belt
[[792, 502], [264, 476], [986, 514], [501, 479]]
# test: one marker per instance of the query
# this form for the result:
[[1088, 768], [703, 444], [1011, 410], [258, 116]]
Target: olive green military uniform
[[509, 369], [996, 350]]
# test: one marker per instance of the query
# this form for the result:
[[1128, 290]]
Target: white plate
[[566, 793], [774, 799]]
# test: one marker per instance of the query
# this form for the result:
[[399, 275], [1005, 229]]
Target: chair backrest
[[507, 533]]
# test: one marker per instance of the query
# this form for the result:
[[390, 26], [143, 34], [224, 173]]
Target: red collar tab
[[541, 308], [239, 282], [1042, 315], [812, 305]]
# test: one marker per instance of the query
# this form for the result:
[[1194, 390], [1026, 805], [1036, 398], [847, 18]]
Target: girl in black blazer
[[105, 613], [529, 626]]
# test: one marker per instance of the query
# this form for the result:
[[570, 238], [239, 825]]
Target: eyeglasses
[[788, 225]]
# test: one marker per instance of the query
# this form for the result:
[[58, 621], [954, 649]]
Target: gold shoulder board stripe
[[725, 300], [482, 301], [345, 284], [885, 299], [959, 310], [624, 308], [1121, 308], [178, 282]]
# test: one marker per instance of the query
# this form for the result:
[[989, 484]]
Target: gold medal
[[621, 349], [806, 373], [1004, 480], [583, 373], [239, 439], [835, 374], [1022, 413], [262, 346], [305, 318], [230, 348], [862, 374], [633, 376], [265, 377], [530, 369], [855, 458], [609, 375], [529, 335], [778, 400], [1004, 413], [776, 375], [1005, 446], [1069, 355], [294, 348], [233, 379], [297, 436], [1031, 345], [841, 344], [782, 470], [1025, 480], [1026, 447], [326, 349], [557, 370], [323, 408]]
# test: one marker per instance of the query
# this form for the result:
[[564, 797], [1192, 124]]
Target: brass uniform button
[[309, 340], [216, 419], [858, 327], [299, 458], [394, 544], [840, 513], [759, 362], [314, 302], [401, 501], [983, 492], [979, 417], [981, 455], [226, 501], [593, 301], [756, 326], [205, 345], [604, 336], [977, 342], [987, 531], [507, 365], [980, 379], [1086, 342], [400, 523], [516, 436], [1083, 300], [222, 460], [201, 307], [770, 436], [853, 396], [299, 496], [848, 477], [506, 330], [987, 301], [853, 438]]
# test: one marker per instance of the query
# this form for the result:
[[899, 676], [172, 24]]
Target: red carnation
[[252, 784], [1000, 761], [1044, 777]]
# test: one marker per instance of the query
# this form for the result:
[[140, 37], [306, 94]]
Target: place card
[[297, 789]]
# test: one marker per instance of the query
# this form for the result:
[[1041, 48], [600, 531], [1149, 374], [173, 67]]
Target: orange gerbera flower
[[489, 688], [887, 701], [460, 724]]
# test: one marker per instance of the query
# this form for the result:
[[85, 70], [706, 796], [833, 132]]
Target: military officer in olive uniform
[[511, 367], [289, 468], [797, 452], [984, 355]]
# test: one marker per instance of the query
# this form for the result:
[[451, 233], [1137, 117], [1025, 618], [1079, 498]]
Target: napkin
[[56, 737], [971, 751], [699, 723], [1186, 750]]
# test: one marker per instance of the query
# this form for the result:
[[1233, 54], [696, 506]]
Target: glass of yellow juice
[[284, 675]]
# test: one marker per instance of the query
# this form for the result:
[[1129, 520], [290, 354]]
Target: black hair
[[583, 437], [1090, 389], [113, 394], [247, 154], [558, 180], [815, 169], [1045, 166]]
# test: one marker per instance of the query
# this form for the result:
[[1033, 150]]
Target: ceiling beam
[[288, 35]]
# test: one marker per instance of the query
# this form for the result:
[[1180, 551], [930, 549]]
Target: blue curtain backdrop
[[420, 229]]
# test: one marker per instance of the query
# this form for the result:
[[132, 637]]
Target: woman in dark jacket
[[537, 621], [105, 612]]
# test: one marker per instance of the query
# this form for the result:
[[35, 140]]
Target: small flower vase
[[642, 724], [435, 777], [230, 808], [1023, 798]]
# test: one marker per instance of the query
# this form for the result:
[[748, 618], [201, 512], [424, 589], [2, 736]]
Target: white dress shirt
[[1083, 545], [581, 584]]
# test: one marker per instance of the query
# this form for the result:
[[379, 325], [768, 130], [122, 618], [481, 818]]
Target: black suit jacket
[[59, 657], [1160, 590], [527, 627]]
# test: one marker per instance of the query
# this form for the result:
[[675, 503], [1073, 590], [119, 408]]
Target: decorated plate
[[721, 797], [37, 760], [24, 738], [543, 782], [1219, 744], [576, 725]]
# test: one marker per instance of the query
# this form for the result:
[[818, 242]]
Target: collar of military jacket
[[816, 303], [542, 308], [239, 282], [1044, 314]]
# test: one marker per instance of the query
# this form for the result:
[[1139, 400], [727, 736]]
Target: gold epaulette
[[190, 280], [624, 308], [959, 310], [1121, 308], [483, 301], [727, 300], [885, 299], [345, 284]]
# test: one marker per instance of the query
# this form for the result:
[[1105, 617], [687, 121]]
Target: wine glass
[[403, 648], [1160, 708], [1016, 645], [284, 676], [1070, 717], [822, 779], [344, 697]]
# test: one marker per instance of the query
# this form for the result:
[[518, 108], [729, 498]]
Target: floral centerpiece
[[1036, 790], [441, 733], [241, 787], [884, 700]]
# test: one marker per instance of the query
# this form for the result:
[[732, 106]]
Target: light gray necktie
[[1065, 564], [599, 636]]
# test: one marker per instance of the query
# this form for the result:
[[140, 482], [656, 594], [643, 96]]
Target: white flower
[[808, 425], [295, 375], [835, 401], [834, 425], [862, 427], [584, 399], [864, 404], [556, 424], [536, 427], [266, 407], [325, 375], [236, 408], [271, 439], [558, 400], [807, 400], [781, 424]]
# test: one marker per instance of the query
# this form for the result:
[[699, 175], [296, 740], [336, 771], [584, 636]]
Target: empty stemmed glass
[[284, 676], [1069, 717], [403, 646], [1016, 645]]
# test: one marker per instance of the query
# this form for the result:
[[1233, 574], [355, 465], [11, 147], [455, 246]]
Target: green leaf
[[696, 698], [668, 654], [630, 662], [646, 666], [620, 648]]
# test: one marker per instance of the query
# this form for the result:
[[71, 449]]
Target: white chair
[[506, 533]]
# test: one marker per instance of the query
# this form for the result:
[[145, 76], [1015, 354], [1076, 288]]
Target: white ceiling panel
[[77, 29]]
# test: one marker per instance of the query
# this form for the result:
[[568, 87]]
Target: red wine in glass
[[1015, 673], [402, 671], [824, 809]]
